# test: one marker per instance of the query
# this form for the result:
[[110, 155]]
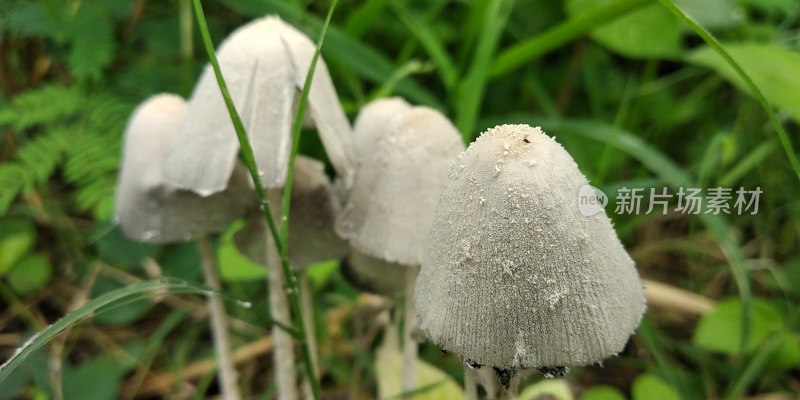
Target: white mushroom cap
[[311, 218], [264, 64], [372, 121], [397, 186], [148, 208], [514, 276]]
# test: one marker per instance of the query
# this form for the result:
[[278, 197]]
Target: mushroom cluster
[[510, 274]]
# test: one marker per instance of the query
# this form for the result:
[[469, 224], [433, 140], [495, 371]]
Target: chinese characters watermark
[[715, 200]]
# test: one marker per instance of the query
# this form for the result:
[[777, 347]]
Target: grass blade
[[717, 46], [444, 66], [104, 302], [470, 92], [533, 48], [292, 282]]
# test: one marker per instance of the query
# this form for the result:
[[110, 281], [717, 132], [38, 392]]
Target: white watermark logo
[[716, 200], [591, 200]]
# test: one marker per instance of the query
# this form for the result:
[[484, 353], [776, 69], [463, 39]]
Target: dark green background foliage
[[634, 95]]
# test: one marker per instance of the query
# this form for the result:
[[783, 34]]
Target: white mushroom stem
[[307, 310], [283, 356], [409, 344], [470, 385], [219, 331], [488, 379]]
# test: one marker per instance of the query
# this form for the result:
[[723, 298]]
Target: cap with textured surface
[[148, 208], [264, 64], [397, 185], [513, 275], [311, 218]]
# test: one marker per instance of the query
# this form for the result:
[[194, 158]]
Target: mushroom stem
[[409, 344], [283, 356], [513, 390], [307, 310], [488, 380], [470, 385], [219, 331]]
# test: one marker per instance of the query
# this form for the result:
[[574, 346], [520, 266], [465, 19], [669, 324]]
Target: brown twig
[[664, 297], [161, 383]]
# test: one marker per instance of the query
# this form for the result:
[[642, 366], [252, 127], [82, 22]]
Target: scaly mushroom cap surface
[[311, 219], [264, 64], [148, 208], [513, 275], [397, 186]]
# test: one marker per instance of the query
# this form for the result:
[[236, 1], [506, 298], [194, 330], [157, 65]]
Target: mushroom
[[397, 185], [149, 208], [265, 64], [513, 275], [401, 170]]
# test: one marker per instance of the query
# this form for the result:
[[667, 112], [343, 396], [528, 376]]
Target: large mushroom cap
[[148, 208], [264, 63], [514, 276], [311, 218], [397, 185]]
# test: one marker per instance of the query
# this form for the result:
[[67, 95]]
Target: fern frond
[[42, 106], [92, 36], [95, 192], [91, 156], [42, 155], [13, 179]]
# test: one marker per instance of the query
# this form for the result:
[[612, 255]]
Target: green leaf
[[651, 387], [777, 79], [120, 251], [321, 273], [712, 14], [603, 392], [233, 265], [30, 274], [649, 32], [720, 329], [432, 383], [181, 261], [552, 389], [96, 379], [17, 237], [788, 354]]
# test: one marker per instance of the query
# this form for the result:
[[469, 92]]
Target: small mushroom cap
[[373, 274], [513, 275], [148, 208], [397, 186], [264, 63], [372, 119], [311, 218]]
